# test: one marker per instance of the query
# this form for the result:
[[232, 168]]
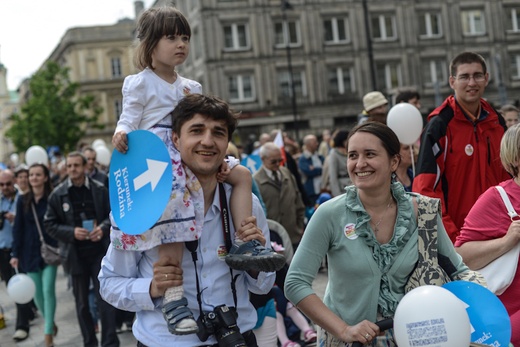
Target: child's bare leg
[[175, 306], [240, 202], [173, 251], [250, 255]]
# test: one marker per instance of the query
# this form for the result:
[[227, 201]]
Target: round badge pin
[[469, 150], [350, 231]]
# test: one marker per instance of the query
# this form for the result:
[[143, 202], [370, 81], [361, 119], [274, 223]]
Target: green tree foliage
[[55, 114]]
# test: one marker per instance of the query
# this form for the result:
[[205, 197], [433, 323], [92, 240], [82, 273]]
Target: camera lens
[[230, 338]]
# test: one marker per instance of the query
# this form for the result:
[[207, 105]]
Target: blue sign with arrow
[[252, 162], [140, 182]]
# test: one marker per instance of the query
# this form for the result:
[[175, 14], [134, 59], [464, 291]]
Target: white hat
[[373, 100]]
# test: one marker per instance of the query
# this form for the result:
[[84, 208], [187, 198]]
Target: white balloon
[[431, 316], [36, 154], [98, 143], [21, 288], [406, 122], [103, 155], [14, 158]]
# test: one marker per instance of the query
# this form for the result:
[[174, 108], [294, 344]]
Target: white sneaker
[[20, 335]]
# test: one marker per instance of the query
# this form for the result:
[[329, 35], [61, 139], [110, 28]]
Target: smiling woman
[[369, 236]]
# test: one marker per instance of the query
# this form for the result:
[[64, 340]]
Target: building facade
[[255, 53], [8, 105], [341, 49]]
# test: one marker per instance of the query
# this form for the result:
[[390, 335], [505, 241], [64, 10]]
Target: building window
[[435, 71], [236, 37], [118, 108], [241, 88], [287, 33], [389, 75], [513, 20], [336, 30], [473, 22], [341, 81], [430, 25], [284, 84], [115, 64], [384, 27], [515, 66]]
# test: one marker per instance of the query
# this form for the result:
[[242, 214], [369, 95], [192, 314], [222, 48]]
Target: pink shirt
[[488, 220]]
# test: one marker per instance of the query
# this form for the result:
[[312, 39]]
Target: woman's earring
[[394, 177]]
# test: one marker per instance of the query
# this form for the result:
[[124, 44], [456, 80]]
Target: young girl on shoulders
[[149, 97]]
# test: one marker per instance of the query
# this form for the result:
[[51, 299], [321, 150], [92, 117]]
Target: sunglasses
[[7, 184], [276, 161]]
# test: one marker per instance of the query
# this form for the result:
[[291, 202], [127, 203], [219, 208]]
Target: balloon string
[[413, 161]]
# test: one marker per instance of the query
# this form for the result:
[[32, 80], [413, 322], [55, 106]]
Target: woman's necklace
[[376, 225]]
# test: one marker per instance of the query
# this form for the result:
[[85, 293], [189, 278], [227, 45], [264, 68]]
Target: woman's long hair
[[28, 197]]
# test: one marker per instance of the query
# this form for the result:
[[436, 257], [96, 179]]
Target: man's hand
[[166, 274], [96, 234], [249, 231], [10, 217], [81, 234], [120, 141]]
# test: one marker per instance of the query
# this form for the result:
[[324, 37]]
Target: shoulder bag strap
[[427, 231], [37, 222], [510, 210]]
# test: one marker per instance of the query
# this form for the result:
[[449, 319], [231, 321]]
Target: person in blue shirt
[[311, 166], [8, 199], [136, 281]]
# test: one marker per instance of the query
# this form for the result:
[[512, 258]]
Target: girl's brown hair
[[154, 24]]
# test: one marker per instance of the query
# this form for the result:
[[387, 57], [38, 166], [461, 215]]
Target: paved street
[[69, 334]]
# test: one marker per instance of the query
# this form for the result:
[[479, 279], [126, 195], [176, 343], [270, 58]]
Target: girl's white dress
[[148, 102]]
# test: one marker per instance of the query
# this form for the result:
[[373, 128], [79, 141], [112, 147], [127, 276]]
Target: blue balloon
[[140, 182], [488, 317]]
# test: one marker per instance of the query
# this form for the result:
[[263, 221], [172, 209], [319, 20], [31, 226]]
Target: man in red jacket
[[459, 156]]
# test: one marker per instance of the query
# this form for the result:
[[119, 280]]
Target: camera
[[221, 322], [2, 219]]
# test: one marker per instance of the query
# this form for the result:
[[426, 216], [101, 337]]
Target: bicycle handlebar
[[383, 325]]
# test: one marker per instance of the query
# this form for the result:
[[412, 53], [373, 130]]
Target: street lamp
[[287, 6], [370, 51]]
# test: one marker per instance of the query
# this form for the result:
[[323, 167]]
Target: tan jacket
[[284, 204]]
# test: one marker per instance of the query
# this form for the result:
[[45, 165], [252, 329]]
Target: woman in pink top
[[488, 232]]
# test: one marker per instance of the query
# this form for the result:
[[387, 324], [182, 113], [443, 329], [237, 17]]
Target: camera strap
[[193, 245]]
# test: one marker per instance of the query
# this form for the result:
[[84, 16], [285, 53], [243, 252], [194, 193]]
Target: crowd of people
[[216, 268]]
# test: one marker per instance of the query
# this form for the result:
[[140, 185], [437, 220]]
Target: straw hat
[[373, 100]]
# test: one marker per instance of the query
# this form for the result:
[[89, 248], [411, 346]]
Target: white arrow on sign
[[251, 165], [152, 175]]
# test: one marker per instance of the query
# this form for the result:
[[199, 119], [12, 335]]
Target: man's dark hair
[[406, 96], [208, 106], [340, 137], [467, 58], [77, 154], [88, 148]]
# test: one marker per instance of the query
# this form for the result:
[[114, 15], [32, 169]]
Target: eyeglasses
[[276, 161], [7, 184], [465, 78]]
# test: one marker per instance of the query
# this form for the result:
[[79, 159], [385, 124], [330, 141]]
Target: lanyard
[[193, 245]]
